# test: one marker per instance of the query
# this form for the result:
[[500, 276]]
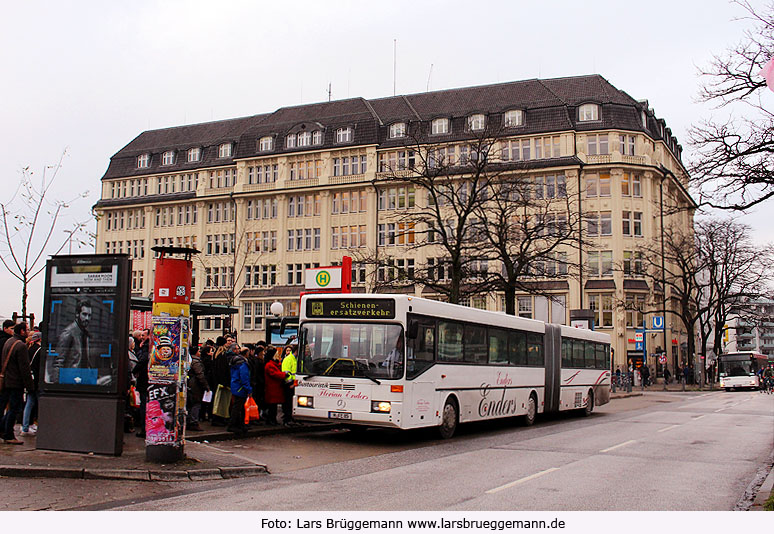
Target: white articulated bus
[[406, 362], [740, 370]]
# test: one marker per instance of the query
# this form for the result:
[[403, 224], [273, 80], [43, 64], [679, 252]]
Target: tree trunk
[[510, 301]]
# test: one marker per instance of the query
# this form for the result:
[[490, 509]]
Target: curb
[[261, 431], [614, 396], [764, 492], [23, 471]]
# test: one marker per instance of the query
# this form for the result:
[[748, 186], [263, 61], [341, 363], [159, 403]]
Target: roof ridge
[[373, 111], [408, 103]]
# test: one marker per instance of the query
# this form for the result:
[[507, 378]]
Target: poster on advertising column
[[167, 340]]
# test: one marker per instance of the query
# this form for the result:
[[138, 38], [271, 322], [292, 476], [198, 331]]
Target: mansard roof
[[549, 105]]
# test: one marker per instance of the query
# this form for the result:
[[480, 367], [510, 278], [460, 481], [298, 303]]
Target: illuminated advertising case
[[86, 324]]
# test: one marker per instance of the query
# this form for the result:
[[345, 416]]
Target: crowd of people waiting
[[262, 372], [20, 357]]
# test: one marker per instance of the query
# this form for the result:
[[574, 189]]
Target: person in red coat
[[275, 378]]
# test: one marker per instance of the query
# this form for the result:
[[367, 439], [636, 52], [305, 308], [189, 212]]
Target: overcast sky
[[90, 76]]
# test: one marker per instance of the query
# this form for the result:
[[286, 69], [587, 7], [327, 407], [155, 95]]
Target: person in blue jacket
[[240, 391]]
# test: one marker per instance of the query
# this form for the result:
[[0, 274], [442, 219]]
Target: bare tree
[[527, 225], [734, 161], [448, 191], [32, 225]]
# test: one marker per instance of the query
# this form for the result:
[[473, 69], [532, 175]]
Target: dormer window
[[397, 130], [265, 144], [476, 122], [344, 135], [439, 126], [143, 161], [304, 139], [290, 141], [168, 157], [194, 154], [644, 118], [588, 112], [513, 118], [224, 150], [317, 137]]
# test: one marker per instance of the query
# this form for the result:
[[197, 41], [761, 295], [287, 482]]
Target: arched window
[[317, 137], [304, 139], [168, 157], [344, 135], [397, 130], [143, 161], [290, 141], [514, 117], [476, 122], [266, 143], [588, 112], [440, 126]]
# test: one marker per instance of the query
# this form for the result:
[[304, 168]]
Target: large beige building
[[267, 196]]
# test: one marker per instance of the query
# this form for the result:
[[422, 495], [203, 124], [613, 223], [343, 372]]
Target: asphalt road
[[663, 451]]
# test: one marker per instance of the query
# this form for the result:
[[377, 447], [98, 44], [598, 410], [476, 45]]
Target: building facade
[[267, 196]]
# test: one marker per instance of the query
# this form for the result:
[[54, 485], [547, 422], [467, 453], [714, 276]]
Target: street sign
[[658, 322], [638, 336], [639, 345], [662, 359], [323, 278]]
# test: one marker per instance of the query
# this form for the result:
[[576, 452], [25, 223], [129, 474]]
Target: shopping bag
[[222, 403], [251, 411], [134, 397], [207, 397]]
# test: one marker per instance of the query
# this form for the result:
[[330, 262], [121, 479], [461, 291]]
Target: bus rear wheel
[[449, 419], [589, 405], [531, 415]]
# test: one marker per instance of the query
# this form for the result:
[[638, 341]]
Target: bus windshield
[[729, 367], [369, 350]]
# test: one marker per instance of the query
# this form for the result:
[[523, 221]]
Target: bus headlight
[[306, 402], [381, 406]]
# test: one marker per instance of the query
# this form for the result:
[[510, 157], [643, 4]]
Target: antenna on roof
[[329, 91], [428, 78], [394, 65]]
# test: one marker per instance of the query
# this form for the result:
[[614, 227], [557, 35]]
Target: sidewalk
[[201, 462]]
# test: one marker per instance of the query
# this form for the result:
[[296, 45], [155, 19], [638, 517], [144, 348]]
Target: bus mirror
[[413, 330]]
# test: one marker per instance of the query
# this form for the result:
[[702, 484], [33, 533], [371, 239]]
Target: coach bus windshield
[[372, 350]]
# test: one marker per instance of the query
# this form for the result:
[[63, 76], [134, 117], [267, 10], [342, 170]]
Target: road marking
[[525, 479], [624, 444], [720, 410], [668, 428]]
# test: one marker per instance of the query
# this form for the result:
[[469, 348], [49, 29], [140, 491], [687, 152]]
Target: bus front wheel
[[531, 415], [449, 419]]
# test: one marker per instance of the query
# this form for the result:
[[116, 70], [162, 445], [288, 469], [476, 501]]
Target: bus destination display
[[351, 308]]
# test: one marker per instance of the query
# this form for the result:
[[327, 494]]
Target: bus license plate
[[340, 415]]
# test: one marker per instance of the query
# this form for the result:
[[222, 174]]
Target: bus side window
[[421, 354], [498, 346], [518, 348], [601, 356], [535, 350], [578, 349], [591, 355], [566, 353]]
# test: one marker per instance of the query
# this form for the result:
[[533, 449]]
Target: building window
[[634, 306], [476, 122], [317, 137], [194, 154], [597, 144], [344, 135], [514, 118], [168, 157], [304, 139], [224, 150], [602, 305], [632, 263], [600, 263], [627, 144], [397, 130], [440, 126], [588, 112], [143, 161], [265, 144], [524, 305]]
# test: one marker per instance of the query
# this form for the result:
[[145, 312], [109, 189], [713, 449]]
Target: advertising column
[[168, 363]]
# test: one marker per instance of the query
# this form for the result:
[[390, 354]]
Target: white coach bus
[[405, 362]]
